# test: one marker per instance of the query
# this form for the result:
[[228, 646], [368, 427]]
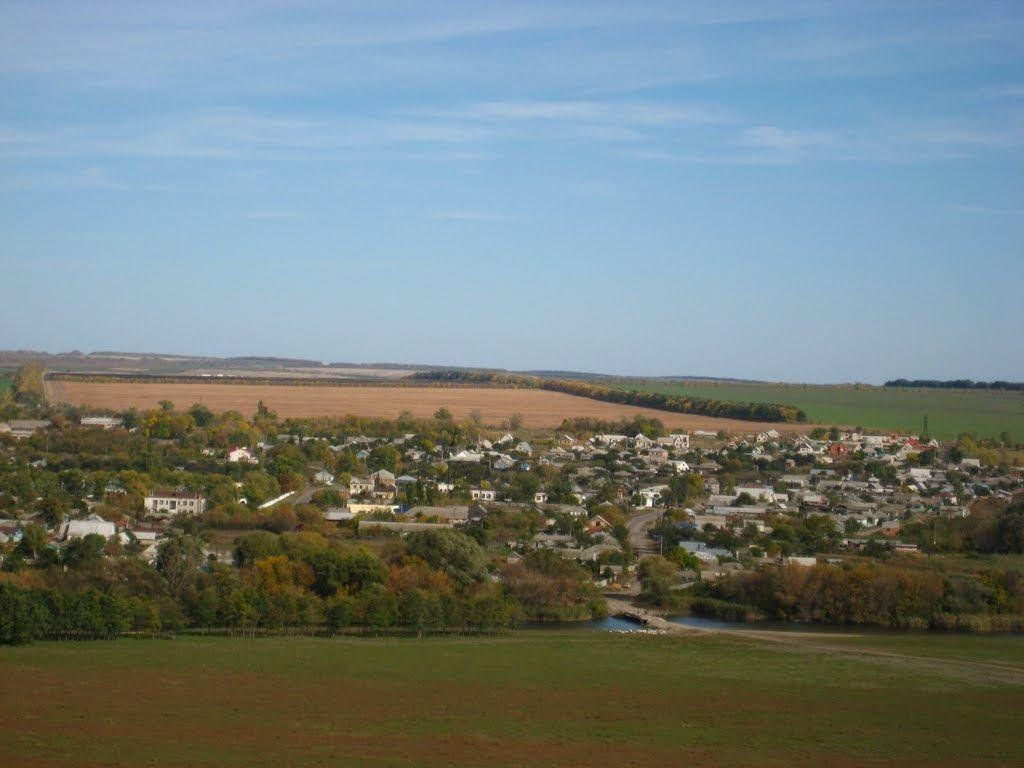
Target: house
[[524, 448], [801, 562], [175, 502], [338, 514], [359, 485], [701, 522], [323, 477], [596, 524], [540, 497], [795, 481], [382, 478], [103, 422], [642, 442], [145, 536], [677, 441], [651, 496], [483, 494], [890, 528], [658, 455], [467, 456], [380, 526], [242, 456], [455, 515], [565, 509], [703, 552], [22, 428], [553, 540], [504, 463], [837, 451], [757, 492], [93, 524], [367, 508]]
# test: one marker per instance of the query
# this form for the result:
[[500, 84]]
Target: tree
[[379, 606], [341, 611], [657, 577], [443, 414], [33, 539], [258, 486], [23, 617], [28, 384], [177, 559], [454, 553], [89, 548], [201, 415], [351, 570], [53, 507]]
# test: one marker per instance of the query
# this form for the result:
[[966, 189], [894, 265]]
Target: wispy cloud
[[237, 133], [273, 216], [622, 113], [770, 137], [467, 215], [94, 178], [986, 210]]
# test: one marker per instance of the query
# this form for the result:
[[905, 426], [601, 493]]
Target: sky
[[798, 191]]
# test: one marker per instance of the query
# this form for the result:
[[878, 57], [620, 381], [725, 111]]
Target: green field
[[529, 699], [5, 383], [949, 411]]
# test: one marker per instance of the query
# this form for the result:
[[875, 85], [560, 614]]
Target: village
[[713, 503]]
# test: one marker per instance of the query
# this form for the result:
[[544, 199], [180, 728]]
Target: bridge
[[648, 618]]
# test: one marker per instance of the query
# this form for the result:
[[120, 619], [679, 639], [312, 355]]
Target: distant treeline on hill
[[956, 384], [662, 402]]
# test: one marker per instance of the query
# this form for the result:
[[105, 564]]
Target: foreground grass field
[[949, 411], [530, 699]]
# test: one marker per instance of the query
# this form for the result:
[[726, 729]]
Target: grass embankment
[[523, 700], [950, 411]]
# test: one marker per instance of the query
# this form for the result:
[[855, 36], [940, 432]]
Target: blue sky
[[802, 191]]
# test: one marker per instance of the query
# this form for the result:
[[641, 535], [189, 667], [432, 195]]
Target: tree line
[[1015, 386], [772, 412], [437, 580], [878, 594]]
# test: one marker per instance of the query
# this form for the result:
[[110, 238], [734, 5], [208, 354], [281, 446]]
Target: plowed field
[[538, 408]]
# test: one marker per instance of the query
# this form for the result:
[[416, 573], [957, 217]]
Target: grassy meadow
[[949, 411], [527, 699]]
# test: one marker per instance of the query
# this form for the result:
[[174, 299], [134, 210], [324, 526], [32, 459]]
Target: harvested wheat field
[[538, 408]]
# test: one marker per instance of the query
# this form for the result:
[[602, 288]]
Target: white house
[[104, 422], [242, 456], [642, 442], [323, 477], [483, 494], [93, 524], [175, 502], [677, 441]]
